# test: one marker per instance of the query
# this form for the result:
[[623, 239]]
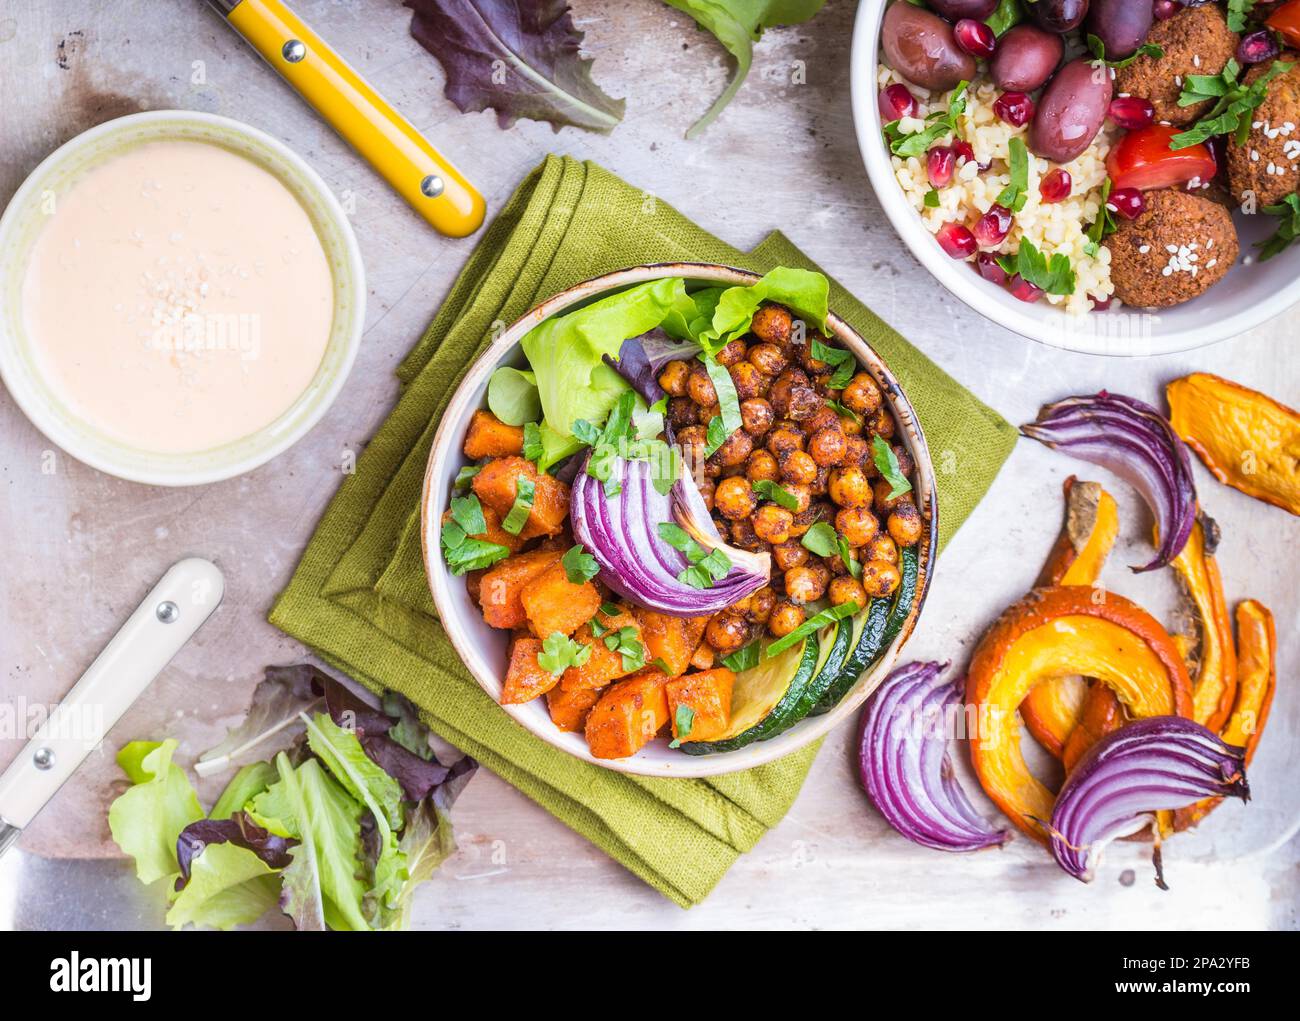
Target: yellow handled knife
[[389, 142]]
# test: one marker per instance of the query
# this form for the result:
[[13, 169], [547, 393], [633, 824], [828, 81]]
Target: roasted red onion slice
[[1159, 763], [1137, 443], [904, 764], [622, 533]]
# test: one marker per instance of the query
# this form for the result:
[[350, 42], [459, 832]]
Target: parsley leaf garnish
[[466, 475], [579, 565], [705, 568], [461, 552], [1015, 194], [559, 652], [1054, 275], [1105, 222], [1098, 50], [1238, 11], [743, 658], [1234, 103], [533, 448], [820, 538], [682, 723], [769, 490], [525, 490], [887, 463], [942, 122], [1287, 230]]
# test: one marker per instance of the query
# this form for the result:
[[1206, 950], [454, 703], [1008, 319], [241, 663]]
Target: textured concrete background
[[83, 547]]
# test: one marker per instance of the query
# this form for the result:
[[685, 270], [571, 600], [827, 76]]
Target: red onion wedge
[[1159, 763], [904, 764], [622, 533], [1137, 443]]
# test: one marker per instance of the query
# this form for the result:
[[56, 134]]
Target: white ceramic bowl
[[1248, 296], [485, 650], [21, 370]]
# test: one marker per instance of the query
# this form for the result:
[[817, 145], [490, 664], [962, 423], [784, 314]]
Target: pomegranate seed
[[1099, 304], [1132, 112], [939, 165], [1257, 47], [1128, 202], [975, 37], [1024, 290], [896, 102], [990, 269], [957, 241], [992, 228], [1015, 108], [1165, 9], [1055, 186]]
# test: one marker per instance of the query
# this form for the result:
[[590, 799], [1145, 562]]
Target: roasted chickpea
[[821, 482], [862, 395], [734, 450], [727, 631], [847, 589], [802, 494], [905, 463], [798, 466], [790, 554], [785, 618], [769, 359], [882, 547], [700, 388], [772, 523], [783, 440], [706, 489], [749, 382], [783, 388], [825, 418], [857, 524], [758, 607], [849, 487], [744, 537], [857, 451], [884, 504], [734, 498], [828, 447], [882, 424], [772, 324], [707, 413], [694, 440], [879, 578], [850, 425], [673, 378], [905, 523], [806, 359], [804, 584], [682, 411], [837, 565], [762, 465], [756, 416], [805, 519], [732, 352], [805, 402]]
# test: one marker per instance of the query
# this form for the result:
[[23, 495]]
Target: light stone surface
[[83, 547]]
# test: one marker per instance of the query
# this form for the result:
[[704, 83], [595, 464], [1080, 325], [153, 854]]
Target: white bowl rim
[[433, 498], [1039, 322], [31, 404]]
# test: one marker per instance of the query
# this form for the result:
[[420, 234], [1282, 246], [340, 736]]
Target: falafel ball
[[1197, 40], [1265, 168], [1181, 245]]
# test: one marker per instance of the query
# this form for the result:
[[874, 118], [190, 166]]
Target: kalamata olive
[[1059, 16], [1025, 59], [1070, 112], [1122, 25], [954, 10], [921, 47]]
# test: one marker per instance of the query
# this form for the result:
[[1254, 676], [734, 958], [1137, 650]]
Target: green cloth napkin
[[360, 597]]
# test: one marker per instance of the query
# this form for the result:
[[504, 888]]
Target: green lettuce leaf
[[244, 786], [147, 819], [738, 24], [512, 396], [802, 291], [229, 885]]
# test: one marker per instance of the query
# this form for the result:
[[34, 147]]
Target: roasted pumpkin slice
[[1056, 632], [1246, 438], [1052, 710], [1214, 685]]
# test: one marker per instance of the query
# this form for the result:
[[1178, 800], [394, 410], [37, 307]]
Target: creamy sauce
[[178, 297]]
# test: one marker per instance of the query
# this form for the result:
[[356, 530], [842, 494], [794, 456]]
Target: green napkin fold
[[360, 597]]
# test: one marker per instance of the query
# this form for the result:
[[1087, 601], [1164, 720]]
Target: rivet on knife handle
[[390, 143]]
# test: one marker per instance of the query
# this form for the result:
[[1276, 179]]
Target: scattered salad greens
[[810, 626], [525, 491], [941, 124], [337, 830], [845, 364], [887, 463], [820, 538], [512, 396], [1098, 50], [1104, 225], [1288, 229], [1234, 102], [1238, 12], [579, 565], [744, 658], [1054, 275]]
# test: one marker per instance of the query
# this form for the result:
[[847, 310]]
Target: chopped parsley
[[682, 724], [1238, 12], [744, 658], [525, 490], [559, 652], [820, 538], [812, 624], [843, 361], [1234, 102], [533, 448], [1104, 225], [942, 123], [721, 426], [462, 552], [1054, 275], [705, 568], [769, 490], [466, 475], [1098, 50], [1287, 230], [579, 565], [887, 463], [932, 199], [1015, 194], [625, 642]]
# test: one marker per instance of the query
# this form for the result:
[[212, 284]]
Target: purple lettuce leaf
[[238, 830], [518, 57]]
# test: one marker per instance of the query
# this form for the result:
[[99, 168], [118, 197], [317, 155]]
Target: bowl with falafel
[[1115, 177], [679, 520]]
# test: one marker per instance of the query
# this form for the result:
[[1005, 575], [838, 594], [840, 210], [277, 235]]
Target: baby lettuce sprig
[[941, 124]]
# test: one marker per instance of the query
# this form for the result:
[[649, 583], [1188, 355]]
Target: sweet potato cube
[[494, 532], [628, 715], [525, 678], [497, 483], [569, 709], [488, 436], [708, 695], [604, 664], [703, 657], [553, 603], [671, 639], [502, 586]]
